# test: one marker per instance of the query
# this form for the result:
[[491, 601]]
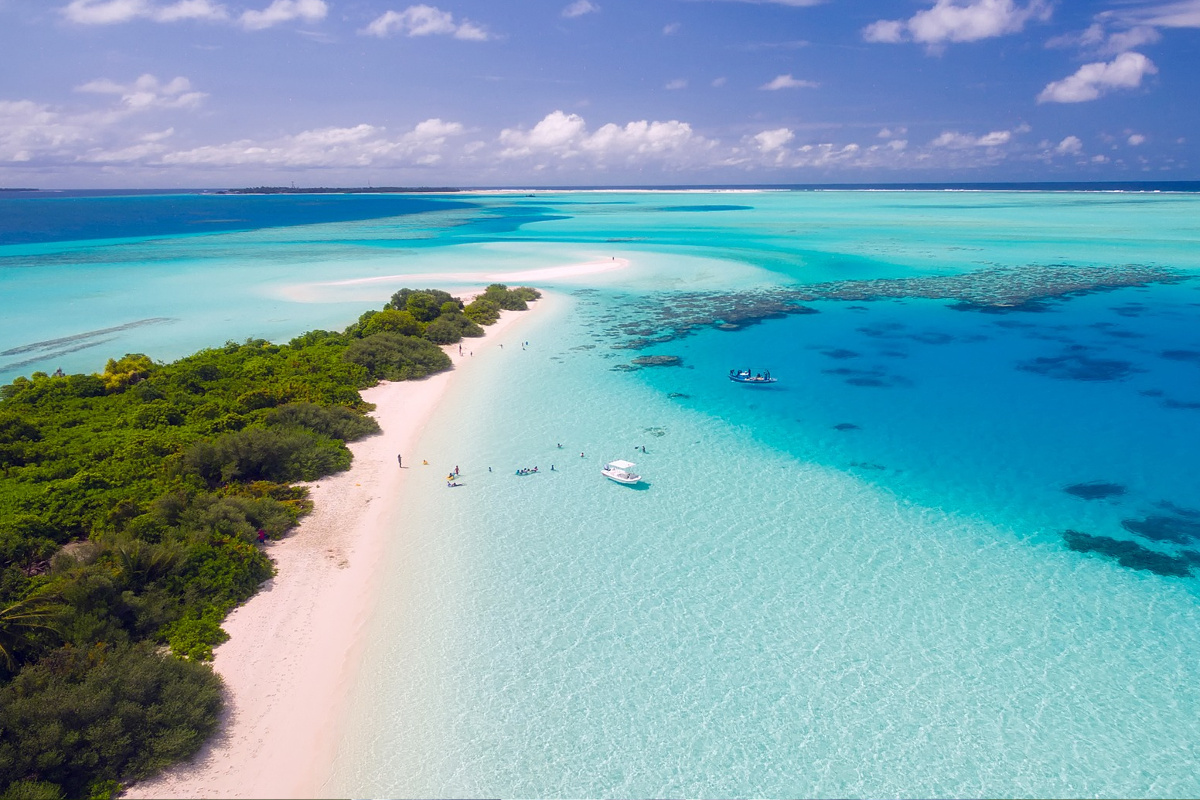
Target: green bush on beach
[[131, 506]]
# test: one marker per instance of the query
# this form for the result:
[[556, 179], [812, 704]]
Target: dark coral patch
[[658, 361], [845, 426], [840, 353], [1129, 554], [1185, 405], [1095, 490], [1191, 356], [1163, 528], [1074, 366]]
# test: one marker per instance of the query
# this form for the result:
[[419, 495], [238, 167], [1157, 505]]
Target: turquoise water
[[856, 582]]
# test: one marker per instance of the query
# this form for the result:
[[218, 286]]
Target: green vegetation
[[131, 506]]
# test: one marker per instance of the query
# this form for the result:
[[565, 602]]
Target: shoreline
[[295, 645]]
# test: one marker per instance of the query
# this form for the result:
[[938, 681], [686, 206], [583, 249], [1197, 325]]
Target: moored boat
[[621, 472], [746, 376]]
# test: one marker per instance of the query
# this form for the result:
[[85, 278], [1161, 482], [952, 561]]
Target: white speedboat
[[620, 471]]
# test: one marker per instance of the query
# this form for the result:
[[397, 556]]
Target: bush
[[402, 322], [82, 716], [482, 311], [269, 454], [336, 422], [390, 356], [442, 331]]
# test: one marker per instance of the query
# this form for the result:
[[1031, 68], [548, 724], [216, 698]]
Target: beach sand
[[294, 646]]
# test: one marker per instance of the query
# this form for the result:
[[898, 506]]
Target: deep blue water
[[28, 218]]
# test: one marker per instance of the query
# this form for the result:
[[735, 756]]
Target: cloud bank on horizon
[[548, 92]]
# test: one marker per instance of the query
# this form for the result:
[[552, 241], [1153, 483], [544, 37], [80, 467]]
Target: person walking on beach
[[400, 460]]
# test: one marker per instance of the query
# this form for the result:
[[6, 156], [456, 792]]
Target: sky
[[232, 93]]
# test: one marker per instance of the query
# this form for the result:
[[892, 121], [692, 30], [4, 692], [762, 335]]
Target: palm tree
[[23, 618]]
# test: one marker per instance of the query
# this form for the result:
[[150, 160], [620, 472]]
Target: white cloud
[[950, 21], [1069, 146], [717, 83], [1136, 36], [108, 12], [566, 137], [672, 28], [29, 129], [148, 92], [1136, 139], [1183, 14], [1097, 39], [787, 82], [959, 141], [887, 133], [767, 141], [357, 146], [1093, 80], [678, 83], [281, 11], [579, 8], [423, 20]]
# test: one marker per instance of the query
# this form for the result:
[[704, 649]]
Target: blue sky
[[214, 93]]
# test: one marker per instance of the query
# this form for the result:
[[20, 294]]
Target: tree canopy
[[132, 502]]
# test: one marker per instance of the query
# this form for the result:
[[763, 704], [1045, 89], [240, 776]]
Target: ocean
[[951, 552]]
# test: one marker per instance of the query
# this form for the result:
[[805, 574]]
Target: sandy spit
[[294, 647]]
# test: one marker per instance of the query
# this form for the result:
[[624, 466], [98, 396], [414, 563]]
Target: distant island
[[7, 189], [336, 190]]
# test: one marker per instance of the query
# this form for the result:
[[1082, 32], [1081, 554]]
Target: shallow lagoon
[[867, 579]]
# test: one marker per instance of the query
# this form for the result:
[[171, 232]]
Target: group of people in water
[[451, 479]]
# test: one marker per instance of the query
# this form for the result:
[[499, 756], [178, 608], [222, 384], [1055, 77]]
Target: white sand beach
[[294, 646], [320, 292]]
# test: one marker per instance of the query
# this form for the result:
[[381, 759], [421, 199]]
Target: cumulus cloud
[[148, 92], [953, 21], [678, 83], [566, 137], [962, 141], [787, 82], [768, 141], [1136, 139], [1093, 80], [29, 129], [282, 11], [357, 146], [108, 12], [1069, 146], [672, 28], [579, 8], [423, 20]]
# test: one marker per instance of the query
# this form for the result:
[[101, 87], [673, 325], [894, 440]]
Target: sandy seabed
[[294, 647]]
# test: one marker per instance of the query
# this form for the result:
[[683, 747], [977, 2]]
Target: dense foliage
[[131, 506]]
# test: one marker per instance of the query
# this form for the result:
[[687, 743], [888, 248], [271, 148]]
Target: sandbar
[[294, 647]]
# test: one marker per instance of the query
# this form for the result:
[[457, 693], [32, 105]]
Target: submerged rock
[[658, 361], [1129, 554], [1164, 528], [1095, 490]]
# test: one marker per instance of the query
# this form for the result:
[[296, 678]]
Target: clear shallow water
[[853, 583]]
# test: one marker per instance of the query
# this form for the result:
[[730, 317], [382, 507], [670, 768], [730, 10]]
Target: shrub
[[86, 715], [336, 422], [392, 357], [270, 454], [442, 331]]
